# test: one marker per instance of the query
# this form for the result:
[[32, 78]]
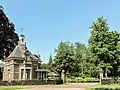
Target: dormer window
[[27, 53]]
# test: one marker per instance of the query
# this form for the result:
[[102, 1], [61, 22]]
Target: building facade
[[21, 64]]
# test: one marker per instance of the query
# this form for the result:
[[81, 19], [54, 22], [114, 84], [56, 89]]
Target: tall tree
[[97, 41], [64, 58], [8, 37], [81, 57], [50, 59], [50, 63], [103, 44], [114, 54]]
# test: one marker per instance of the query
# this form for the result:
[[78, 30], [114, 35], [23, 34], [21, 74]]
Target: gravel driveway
[[74, 86]]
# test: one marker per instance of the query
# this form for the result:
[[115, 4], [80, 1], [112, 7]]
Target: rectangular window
[[28, 74], [22, 71]]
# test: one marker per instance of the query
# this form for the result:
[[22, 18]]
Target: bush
[[106, 81], [32, 82], [81, 80], [110, 81], [4, 83]]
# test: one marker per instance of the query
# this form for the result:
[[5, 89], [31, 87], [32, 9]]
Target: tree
[[44, 66], [50, 59], [50, 63], [104, 45], [64, 58], [8, 37], [81, 57], [114, 55], [97, 41]]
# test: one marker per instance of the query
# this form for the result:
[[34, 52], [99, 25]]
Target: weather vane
[[22, 30]]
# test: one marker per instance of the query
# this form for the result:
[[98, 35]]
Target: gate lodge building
[[21, 64]]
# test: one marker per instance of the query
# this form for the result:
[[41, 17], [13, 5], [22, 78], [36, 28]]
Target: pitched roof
[[21, 49], [33, 56], [16, 52]]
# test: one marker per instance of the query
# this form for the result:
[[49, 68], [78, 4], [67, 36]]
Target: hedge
[[81, 80], [31, 82], [110, 81]]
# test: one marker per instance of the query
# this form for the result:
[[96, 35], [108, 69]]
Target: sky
[[47, 22]]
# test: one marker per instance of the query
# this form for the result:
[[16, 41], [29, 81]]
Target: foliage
[[44, 65], [50, 59], [8, 37], [101, 55], [50, 63], [82, 59], [114, 80], [81, 80], [107, 67], [31, 82], [64, 59], [98, 39], [104, 45], [72, 58]]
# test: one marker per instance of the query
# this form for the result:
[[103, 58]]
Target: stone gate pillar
[[101, 77], [63, 76]]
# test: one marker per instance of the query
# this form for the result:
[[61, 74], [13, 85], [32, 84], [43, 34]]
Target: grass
[[10, 88], [106, 87]]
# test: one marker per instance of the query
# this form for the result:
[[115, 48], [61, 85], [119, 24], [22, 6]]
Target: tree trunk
[[106, 74]]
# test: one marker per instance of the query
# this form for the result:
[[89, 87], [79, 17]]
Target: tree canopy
[[71, 58], [64, 57], [104, 45], [8, 37], [101, 55]]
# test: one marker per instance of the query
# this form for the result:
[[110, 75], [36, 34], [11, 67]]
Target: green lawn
[[106, 87], [10, 88]]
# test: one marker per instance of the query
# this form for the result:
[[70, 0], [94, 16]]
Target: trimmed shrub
[[81, 80], [106, 81], [32, 82], [4, 83], [110, 81]]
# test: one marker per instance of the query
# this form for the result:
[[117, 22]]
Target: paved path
[[74, 86]]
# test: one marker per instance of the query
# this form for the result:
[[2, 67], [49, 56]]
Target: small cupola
[[22, 39], [22, 42]]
